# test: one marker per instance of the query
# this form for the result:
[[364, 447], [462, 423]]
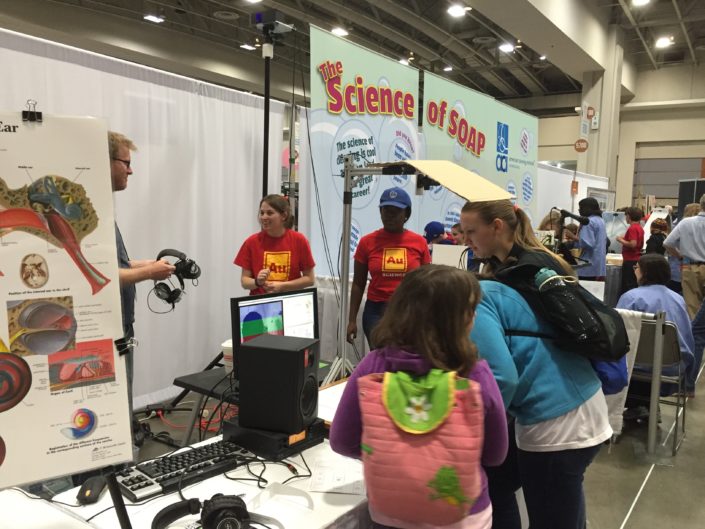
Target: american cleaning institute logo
[[502, 160]]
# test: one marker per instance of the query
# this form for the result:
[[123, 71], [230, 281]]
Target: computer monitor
[[292, 313]]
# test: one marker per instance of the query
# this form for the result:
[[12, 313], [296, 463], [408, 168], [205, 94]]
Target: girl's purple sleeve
[[496, 442], [346, 430]]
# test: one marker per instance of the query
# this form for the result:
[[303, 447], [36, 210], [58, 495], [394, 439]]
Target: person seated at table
[[652, 295], [457, 234], [435, 233]]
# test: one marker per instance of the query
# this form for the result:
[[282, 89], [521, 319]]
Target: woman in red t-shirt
[[277, 258], [632, 243], [387, 255]]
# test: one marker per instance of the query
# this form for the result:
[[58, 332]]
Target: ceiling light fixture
[[340, 32], [248, 47], [404, 62], [506, 47], [154, 18], [542, 58], [448, 69], [456, 10], [640, 3], [664, 42], [253, 1]]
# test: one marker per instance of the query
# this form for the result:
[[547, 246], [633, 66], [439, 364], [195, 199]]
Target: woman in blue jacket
[[554, 395]]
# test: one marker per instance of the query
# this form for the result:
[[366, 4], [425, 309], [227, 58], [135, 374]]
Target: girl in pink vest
[[423, 342]]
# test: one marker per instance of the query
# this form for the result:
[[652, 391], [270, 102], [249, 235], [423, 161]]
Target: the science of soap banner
[[479, 133], [365, 105], [63, 397]]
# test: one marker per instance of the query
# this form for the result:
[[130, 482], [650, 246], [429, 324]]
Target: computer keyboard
[[162, 475]]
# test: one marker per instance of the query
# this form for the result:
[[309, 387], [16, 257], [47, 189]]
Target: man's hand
[[161, 269]]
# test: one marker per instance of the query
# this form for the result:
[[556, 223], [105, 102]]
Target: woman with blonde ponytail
[[557, 411]]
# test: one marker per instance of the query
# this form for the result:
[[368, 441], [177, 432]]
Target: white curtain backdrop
[[196, 185]]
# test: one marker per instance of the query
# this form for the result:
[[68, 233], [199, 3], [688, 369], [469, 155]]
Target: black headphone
[[220, 512], [185, 269]]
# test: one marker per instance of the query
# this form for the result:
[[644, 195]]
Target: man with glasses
[[131, 271]]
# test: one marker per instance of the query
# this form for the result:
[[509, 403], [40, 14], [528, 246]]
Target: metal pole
[[293, 196], [116, 496], [656, 368], [267, 53], [345, 264]]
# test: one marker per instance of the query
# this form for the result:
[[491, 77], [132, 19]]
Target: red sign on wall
[[581, 145]]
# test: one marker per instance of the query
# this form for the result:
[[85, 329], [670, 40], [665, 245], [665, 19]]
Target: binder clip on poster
[[31, 113]]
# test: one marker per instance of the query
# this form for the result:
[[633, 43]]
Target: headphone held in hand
[[220, 512], [185, 269]]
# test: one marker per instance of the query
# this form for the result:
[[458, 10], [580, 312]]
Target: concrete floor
[[627, 490]]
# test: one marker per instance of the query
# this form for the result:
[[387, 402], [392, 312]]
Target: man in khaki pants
[[687, 242]]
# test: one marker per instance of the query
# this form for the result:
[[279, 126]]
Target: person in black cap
[[387, 255], [592, 239]]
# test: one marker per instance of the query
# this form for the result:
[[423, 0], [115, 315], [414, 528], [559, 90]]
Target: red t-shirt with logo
[[389, 256], [634, 233], [285, 257]]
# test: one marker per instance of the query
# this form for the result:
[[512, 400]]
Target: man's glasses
[[126, 162]]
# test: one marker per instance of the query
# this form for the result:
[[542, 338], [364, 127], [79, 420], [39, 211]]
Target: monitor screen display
[[289, 314]]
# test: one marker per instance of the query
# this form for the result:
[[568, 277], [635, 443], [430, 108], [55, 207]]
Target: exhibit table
[[333, 497]]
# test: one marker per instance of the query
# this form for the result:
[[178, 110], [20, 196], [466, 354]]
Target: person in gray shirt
[[687, 242]]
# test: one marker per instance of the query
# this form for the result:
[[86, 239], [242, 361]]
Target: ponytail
[[519, 224]]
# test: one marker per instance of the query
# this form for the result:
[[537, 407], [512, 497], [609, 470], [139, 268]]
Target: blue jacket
[[593, 241], [537, 380]]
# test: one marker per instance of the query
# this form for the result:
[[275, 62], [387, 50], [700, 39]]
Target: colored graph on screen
[[263, 318]]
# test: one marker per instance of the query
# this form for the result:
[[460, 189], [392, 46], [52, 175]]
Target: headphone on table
[[185, 269], [220, 512]]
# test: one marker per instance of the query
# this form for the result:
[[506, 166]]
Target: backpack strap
[[517, 332]]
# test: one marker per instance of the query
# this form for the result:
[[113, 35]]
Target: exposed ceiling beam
[[629, 15], [445, 39], [362, 41], [685, 31], [523, 74], [362, 20], [669, 21]]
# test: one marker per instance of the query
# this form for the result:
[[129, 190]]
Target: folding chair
[[671, 370]]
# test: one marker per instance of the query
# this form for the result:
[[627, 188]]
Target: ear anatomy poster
[[63, 389]]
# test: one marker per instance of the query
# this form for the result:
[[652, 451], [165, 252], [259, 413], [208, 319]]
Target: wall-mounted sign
[[581, 145]]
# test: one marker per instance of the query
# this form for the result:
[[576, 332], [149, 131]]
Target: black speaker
[[278, 383]]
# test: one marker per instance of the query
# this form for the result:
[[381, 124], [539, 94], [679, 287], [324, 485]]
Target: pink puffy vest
[[425, 477]]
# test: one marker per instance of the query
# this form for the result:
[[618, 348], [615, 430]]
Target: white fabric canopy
[[196, 185]]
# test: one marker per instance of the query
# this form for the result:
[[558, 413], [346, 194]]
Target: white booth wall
[[555, 185], [196, 185]]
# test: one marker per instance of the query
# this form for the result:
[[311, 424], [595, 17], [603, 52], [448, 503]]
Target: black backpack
[[581, 323]]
